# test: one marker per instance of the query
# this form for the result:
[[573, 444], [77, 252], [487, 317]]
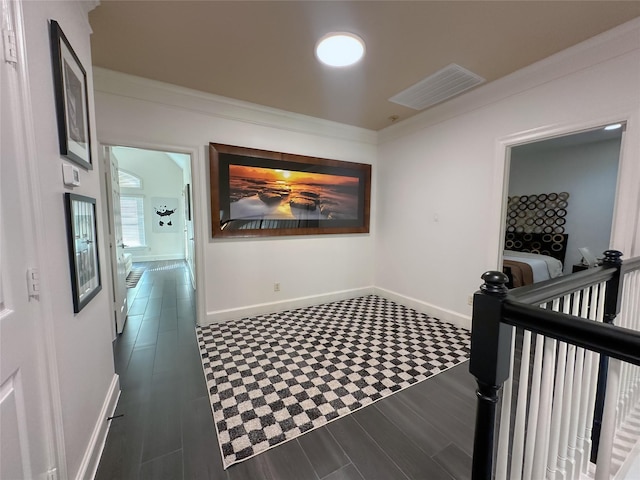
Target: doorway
[[563, 188], [154, 208]]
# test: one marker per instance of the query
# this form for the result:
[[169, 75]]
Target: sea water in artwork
[[256, 192]]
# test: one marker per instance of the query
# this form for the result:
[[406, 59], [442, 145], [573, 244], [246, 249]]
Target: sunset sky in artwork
[[289, 176]]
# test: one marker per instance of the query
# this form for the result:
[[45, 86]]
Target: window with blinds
[[132, 217], [131, 210], [128, 179]]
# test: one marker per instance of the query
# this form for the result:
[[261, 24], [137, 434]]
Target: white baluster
[[505, 418], [557, 411], [563, 449], [546, 399], [517, 454], [573, 454], [573, 457], [534, 407], [605, 448]]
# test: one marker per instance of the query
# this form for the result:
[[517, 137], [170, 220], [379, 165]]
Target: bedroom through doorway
[[560, 204]]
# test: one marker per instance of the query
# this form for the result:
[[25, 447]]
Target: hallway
[[164, 403], [166, 429]]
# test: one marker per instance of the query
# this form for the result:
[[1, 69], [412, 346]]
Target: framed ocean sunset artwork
[[257, 193]]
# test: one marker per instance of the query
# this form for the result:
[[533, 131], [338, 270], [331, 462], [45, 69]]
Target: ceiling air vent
[[446, 83]]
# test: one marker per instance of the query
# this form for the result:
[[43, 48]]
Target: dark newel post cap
[[495, 283], [612, 257]]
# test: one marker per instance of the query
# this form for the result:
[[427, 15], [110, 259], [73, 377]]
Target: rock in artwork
[[166, 218]]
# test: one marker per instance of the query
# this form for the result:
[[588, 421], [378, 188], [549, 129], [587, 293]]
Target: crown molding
[[130, 86], [606, 46]]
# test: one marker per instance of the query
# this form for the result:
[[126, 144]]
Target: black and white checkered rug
[[274, 377]]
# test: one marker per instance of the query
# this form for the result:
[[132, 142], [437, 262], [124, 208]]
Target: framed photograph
[[83, 248], [187, 202], [72, 104], [256, 193]]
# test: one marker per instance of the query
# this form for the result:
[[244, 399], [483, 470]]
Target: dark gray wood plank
[[138, 306], [284, 462], [346, 473], [148, 334], [123, 448], [167, 467], [154, 307], [168, 319], [462, 409], [421, 432], [405, 454], [370, 460], [130, 332], [163, 434], [456, 462], [322, 450], [166, 361], [135, 380], [202, 457], [460, 433]]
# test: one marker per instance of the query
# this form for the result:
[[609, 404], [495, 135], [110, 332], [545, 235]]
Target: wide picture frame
[[72, 99], [258, 193], [84, 261]]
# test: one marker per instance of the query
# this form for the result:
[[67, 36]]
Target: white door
[[116, 243], [26, 440]]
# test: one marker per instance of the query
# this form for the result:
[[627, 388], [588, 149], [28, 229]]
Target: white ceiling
[[262, 51]]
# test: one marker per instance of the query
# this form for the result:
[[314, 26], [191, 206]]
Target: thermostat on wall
[[70, 175]]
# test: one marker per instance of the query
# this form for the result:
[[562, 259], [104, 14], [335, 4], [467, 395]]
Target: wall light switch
[[70, 175]]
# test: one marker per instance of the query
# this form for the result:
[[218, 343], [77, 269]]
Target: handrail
[[630, 265], [496, 310], [548, 290], [604, 338]]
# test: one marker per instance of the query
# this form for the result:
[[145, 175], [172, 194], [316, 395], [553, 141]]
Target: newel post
[[613, 294], [489, 364]]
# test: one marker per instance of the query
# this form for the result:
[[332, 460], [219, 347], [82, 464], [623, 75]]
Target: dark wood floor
[[166, 429]]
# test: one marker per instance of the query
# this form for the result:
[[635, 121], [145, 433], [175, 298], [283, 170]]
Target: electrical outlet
[[470, 300], [276, 287]]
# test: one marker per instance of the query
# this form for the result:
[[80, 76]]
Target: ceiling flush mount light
[[614, 126], [340, 49]]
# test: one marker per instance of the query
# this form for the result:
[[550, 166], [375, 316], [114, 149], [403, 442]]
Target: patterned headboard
[[552, 244], [536, 224]]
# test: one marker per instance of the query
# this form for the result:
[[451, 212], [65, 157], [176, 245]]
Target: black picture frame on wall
[[82, 239], [187, 202], [72, 99]]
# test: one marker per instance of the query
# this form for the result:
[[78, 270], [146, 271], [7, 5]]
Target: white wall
[[83, 354], [589, 173], [161, 178], [237, 275], [441, 174]]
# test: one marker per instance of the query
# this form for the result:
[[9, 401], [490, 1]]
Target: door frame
[[199, 209], [624, 237]]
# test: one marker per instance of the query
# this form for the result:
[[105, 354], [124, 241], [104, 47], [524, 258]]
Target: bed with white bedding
[[543, 267], [531, 258]]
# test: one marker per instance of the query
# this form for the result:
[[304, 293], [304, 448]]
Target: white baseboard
[[275, 307], [443, 314], [91, 459]]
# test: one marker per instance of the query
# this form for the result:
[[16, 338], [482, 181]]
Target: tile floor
[[166, 432]]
